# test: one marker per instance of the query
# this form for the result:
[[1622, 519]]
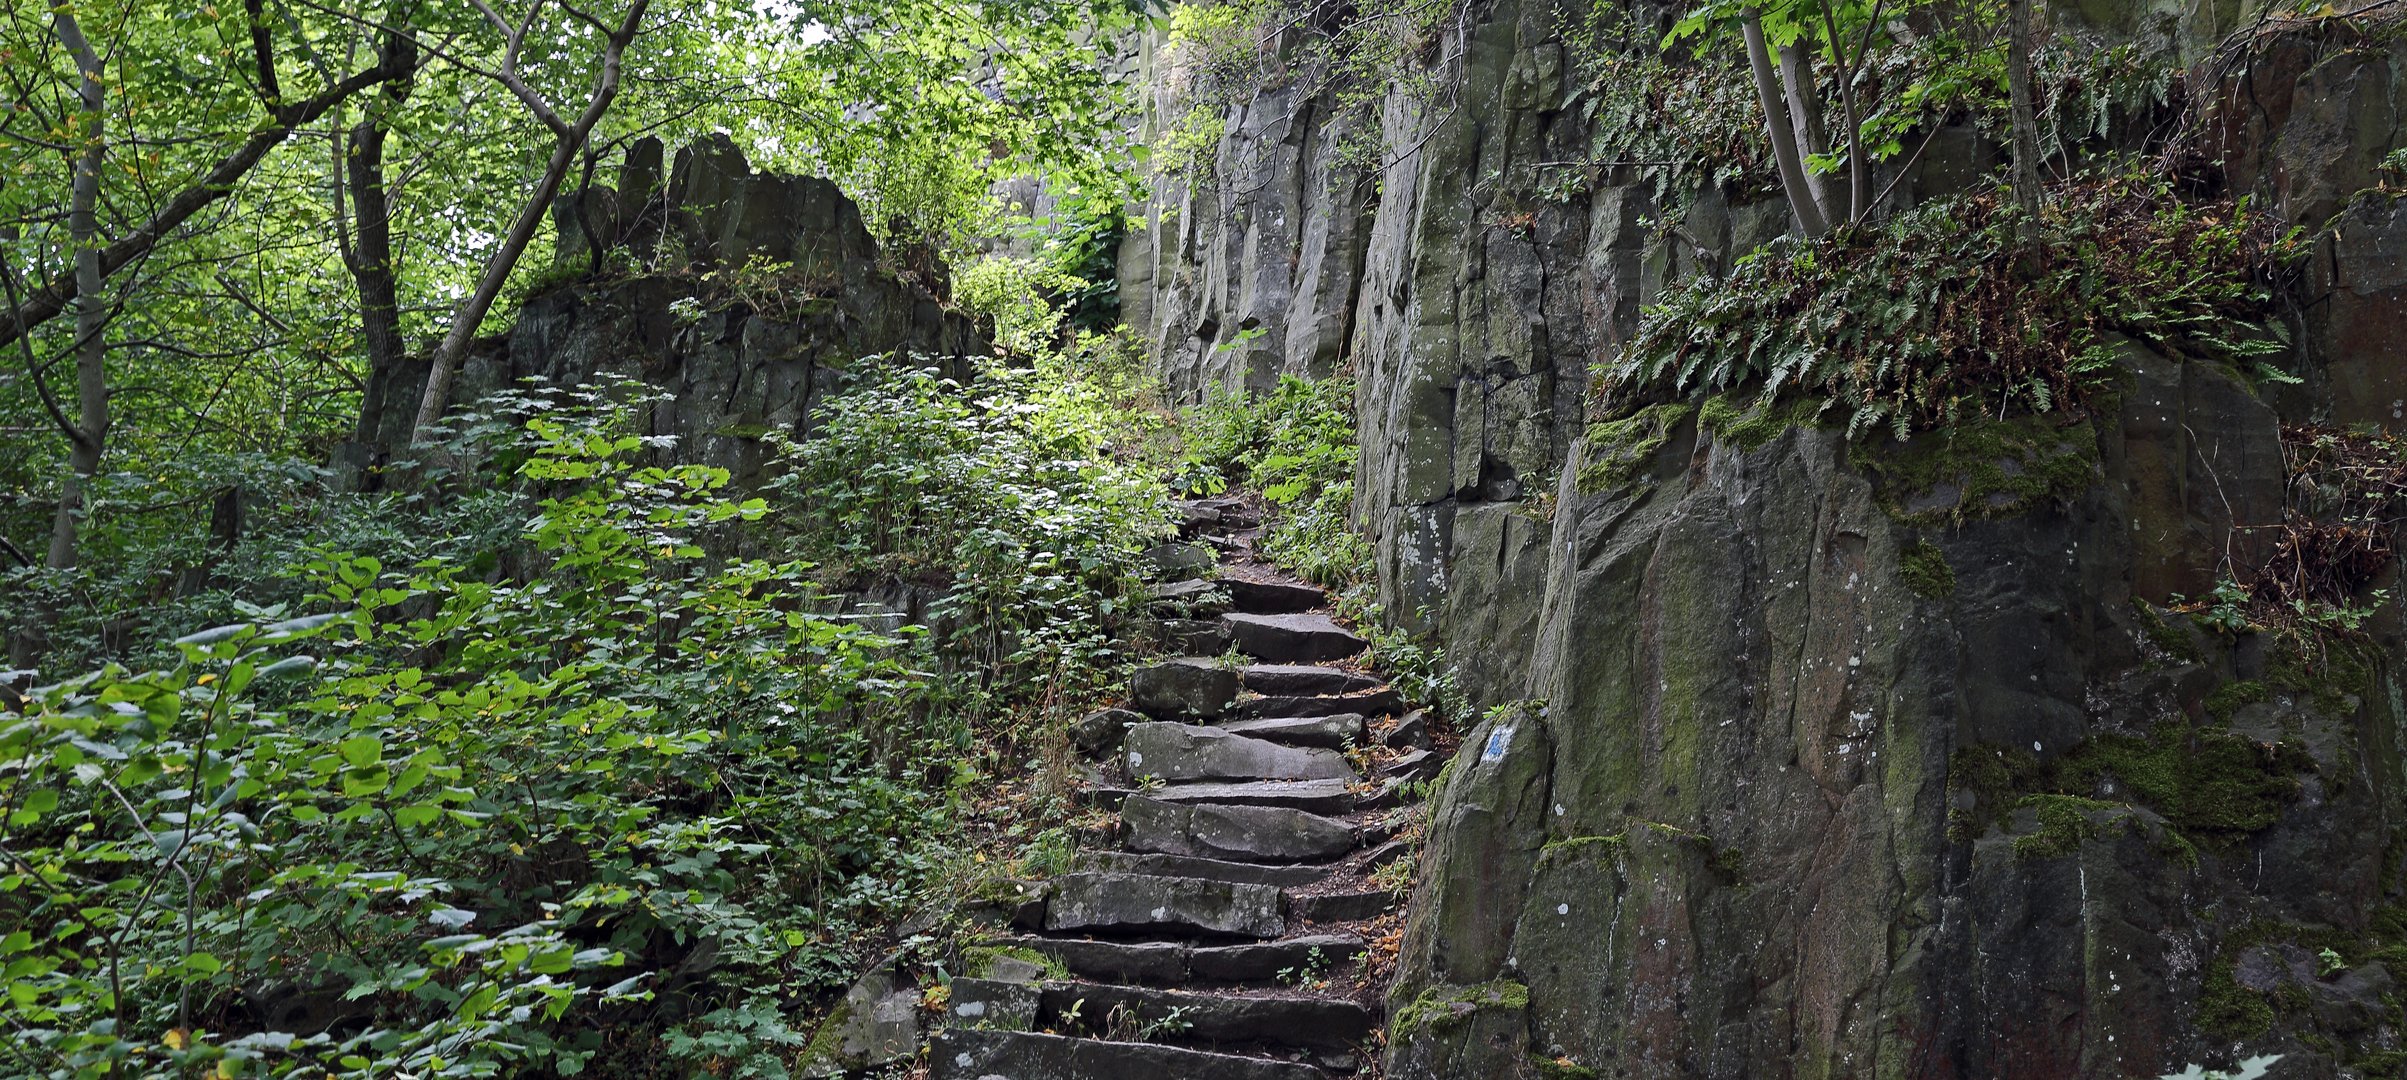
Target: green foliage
[[1295, 445], [1030, 531], [1924, 322], [474, 808]]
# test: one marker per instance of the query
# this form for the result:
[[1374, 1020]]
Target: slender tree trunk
[[570, 140], [1805, 114], [2026, 116], [1793, 179], [88, 436], [371, 257]]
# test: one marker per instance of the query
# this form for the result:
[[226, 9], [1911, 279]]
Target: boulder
[[1240, 833], [1180, 562], [1190, 752], [1194, 637], [1101, 731], [876, 1024], [1410, 733], [1293, 639], [992, 1003], [1096, 902], [1184, 687]]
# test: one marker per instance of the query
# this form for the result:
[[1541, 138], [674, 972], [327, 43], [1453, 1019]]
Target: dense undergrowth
[[586, 766], [1934, 317]]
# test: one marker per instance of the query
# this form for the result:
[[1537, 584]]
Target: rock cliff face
[[742, 295], [1812, 760]]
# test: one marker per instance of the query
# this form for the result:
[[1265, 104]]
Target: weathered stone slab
[[1333, 732], [1254, 961], [1379, 702], [1180, 562], [1190, 752], [1194, 637], [1334, 796], [1212, 1018], [1410, 733], [992, 1003], [1342, 906], [1188, 686], [1273, 597], [1293, 639], [1304, 680], [1245, 873], [1101, 731], [877, 1024], [1235, 833], [1091, 901], [1017, 1055]]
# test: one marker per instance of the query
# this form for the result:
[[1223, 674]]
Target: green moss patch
[[1546, 1068], [978, 961], [1618, 450], [2231, 697], [1442, 1007], [1737, 420], [2205, 782], [1924, 569], [1981, 469]]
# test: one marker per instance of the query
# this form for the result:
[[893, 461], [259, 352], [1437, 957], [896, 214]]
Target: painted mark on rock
[[1496, 740]]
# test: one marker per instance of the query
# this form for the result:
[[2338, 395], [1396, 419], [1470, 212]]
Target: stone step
[[1379, 702], [1304, 680], [1180, 562], [1415, 766], [1192, 752], [1188, 686], [1334, 732], [1194, 637], [1193, 594], [1273, 597], [1334, 796], [964, 1054], [1232, 833], [1210, 1019], [1103, 903], [1410, 733], [1293, 639], [1341, 906], [1244, 873], [1172, 963]]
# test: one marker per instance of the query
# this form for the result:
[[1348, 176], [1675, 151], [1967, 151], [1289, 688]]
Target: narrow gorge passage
[[1235, 930]]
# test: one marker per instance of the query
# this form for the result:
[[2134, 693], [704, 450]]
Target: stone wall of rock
[[1763, 812], [654, 287]]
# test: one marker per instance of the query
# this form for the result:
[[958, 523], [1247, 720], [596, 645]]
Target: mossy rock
[[1924, 569], [1442, 1007], [1981, 469], [1748, 425], [1618, 450]]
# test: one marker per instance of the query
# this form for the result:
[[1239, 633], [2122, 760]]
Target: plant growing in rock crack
[[1313, 971]]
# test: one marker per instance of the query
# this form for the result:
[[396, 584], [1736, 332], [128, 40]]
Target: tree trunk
[[571, 140], [87, 438], [2026, 116], [371, 258], [1805, 114], [1793, 180]]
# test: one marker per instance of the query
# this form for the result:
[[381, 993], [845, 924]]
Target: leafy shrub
[[1296, 446], [1027, 530], [484, 804], [1927, 319]]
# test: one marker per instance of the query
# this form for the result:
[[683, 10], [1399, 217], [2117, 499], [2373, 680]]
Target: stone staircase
[[1224, 937]]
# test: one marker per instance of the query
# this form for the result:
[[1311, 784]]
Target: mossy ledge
[[1442, 1007], [1924, 569], [1619, 449], [1981, 469]]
